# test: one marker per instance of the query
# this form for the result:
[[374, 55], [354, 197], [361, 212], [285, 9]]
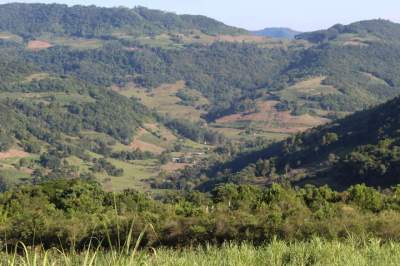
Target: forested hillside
[[34, 20], [361, 148], [136, 93]]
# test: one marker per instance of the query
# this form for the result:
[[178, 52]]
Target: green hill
[[361, 148], [81, 84], [35, 20], [383, 30]]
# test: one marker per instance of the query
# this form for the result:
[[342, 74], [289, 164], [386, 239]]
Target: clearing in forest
[[38, 45], [13, 154], [165, 100], [269, 119]]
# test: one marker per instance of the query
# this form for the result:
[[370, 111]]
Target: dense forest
[[33, 20]]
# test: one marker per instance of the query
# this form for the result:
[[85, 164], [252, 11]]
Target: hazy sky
[[302, 15]]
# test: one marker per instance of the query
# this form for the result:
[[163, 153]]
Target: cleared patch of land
[[38, 45], [45, 97], [145, 146], [135, 175], [241, 38], [165, 100], [361, 40], [172, 167], [10, 37], [266, 122], [373, 78], [309, 87], [269, 119], [36, 77], [12, 153], [142, 143], [78, 43]]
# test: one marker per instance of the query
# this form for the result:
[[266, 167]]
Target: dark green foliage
[[104, 111], [212, 70], [72, 213], [133, 155], [6, 141], [383, 29], [195, 131], [361, 148], [32, 20], [230, 75], [100, 165]]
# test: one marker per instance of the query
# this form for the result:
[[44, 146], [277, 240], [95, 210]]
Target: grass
[[73, 42], [314, 252], [13, 174], [305, 88], [78, 43], [135, 174], [165, 101], [60, 97], [161, 40]]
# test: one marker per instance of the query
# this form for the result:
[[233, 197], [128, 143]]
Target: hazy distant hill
[[283, 33]]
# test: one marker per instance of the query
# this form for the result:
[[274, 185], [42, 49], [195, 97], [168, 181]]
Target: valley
[[131, 132]]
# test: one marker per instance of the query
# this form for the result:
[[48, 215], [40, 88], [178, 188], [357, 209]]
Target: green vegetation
[[81, 21], [361, 148], [71, 214], [315, 252], [135, 136]]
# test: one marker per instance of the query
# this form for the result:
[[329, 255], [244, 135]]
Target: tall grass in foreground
[[314, 252]]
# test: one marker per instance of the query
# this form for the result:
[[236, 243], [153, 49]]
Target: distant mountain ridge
[[376, 28], [91, 21], [277, 32]]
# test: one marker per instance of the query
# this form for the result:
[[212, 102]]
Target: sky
[[302, 15]]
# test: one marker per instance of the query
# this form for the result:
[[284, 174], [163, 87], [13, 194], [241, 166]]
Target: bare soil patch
[[144, 146], [277, 122], [132, 49], [241, 38], [172, 167], [38, 45], [355, 42], [13, 154]]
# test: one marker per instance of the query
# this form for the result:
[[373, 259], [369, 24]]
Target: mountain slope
[[282, 33], [361, 148], [34, 20], [368, 31], [81, 84]]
